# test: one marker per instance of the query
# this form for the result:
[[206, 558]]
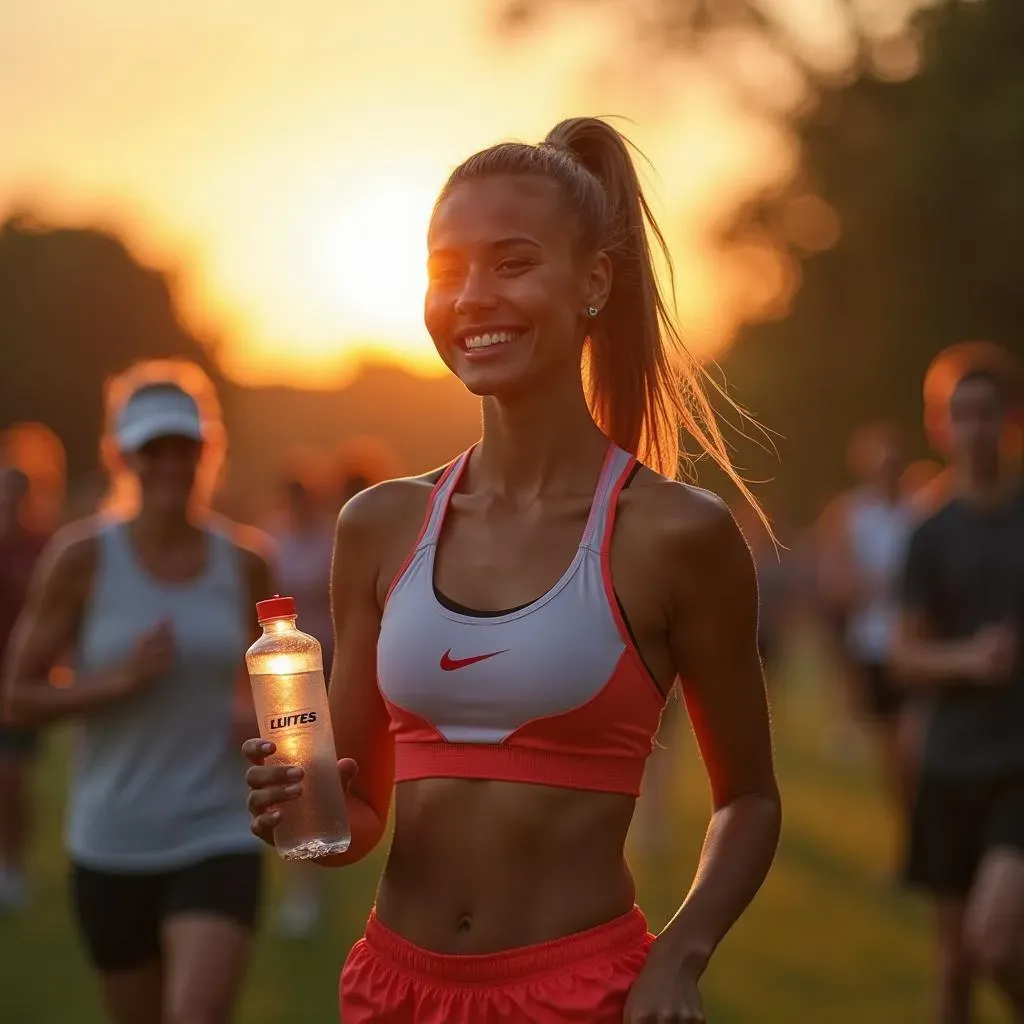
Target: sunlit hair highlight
[[643, 385], [122, 498]]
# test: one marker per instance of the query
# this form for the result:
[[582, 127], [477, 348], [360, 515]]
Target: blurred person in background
[[959, 642], [154, 600], [508, 628], [303, 541], [828, 593], [868, 545], [20, 547], [38, 452], [941, 377], [304, 546], [360, 462]]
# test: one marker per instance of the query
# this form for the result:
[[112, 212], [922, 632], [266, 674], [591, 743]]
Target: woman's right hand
[[273, 784], [151, 657], [992, 653]]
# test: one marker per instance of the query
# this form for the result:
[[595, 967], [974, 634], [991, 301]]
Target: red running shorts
[[580, 979]]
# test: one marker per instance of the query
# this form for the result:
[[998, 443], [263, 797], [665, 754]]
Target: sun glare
[[328, 277], [371, 263]]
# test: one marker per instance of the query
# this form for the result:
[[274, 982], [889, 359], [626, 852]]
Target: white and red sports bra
[[553, 693]]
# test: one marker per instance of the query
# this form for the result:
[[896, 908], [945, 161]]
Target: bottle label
[[292, 721]]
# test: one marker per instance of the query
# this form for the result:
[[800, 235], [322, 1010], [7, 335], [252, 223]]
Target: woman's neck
[[989, 485], [542, 442], [160, 528], [888, 492]]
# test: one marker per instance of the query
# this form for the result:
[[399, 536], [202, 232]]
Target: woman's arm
[[46, 630], [918, 659], [358, 714], [360, 719], [713, 638]]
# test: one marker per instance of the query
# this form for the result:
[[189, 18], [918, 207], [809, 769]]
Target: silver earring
[[592, 311]]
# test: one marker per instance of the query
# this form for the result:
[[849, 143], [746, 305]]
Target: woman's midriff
[[483, 866]]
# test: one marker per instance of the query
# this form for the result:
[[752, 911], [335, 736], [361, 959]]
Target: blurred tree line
[[76, 308], [927, 177], [901, 230], [899, 235]]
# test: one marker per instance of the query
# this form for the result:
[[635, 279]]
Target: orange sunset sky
[[281, 160]]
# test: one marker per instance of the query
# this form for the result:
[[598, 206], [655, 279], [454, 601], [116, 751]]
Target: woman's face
[[166, 468], [507, 297]]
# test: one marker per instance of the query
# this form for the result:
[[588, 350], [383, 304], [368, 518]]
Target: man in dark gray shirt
[[959, 643]]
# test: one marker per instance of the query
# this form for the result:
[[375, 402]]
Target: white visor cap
[[158, 410]]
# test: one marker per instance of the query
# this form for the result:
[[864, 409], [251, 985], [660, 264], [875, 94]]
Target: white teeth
[[485, 340]]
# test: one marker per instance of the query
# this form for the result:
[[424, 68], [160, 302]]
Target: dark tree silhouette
[[75, 308], [925, 176]]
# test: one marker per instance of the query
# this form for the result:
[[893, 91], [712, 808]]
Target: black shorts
[[19, 743], [120, 914], [955, 822], [883, 698]]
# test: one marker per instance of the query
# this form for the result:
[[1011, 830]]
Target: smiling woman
[[508, 628]]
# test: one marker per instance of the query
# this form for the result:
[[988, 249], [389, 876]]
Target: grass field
[[830, 939]]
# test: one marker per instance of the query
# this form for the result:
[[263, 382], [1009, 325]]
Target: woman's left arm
[[712, 623]]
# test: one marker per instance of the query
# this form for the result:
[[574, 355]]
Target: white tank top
[[878, 533], [158, 781]]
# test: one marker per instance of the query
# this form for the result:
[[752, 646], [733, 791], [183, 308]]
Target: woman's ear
[[598, 283]]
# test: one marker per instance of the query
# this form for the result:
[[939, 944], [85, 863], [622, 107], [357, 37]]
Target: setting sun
[[337, 273], [287, 189], [371, 260]]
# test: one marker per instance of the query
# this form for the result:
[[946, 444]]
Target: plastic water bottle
[[286, 671]]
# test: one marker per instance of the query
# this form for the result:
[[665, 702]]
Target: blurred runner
[[871, 544], [302, 562], [960, 642], [155, 600], [20, 547], [304, 541], [950, 366]]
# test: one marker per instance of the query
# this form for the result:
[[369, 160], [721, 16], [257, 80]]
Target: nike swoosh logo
[[450, 664]]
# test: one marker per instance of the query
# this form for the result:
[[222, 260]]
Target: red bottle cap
[[275, 607]]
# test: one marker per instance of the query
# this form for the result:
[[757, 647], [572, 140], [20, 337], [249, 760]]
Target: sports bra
[[553, 693]]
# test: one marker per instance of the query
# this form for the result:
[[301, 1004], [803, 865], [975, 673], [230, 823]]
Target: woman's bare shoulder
[[68, 561], [675, 512], [75, 546], [387, 505]]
